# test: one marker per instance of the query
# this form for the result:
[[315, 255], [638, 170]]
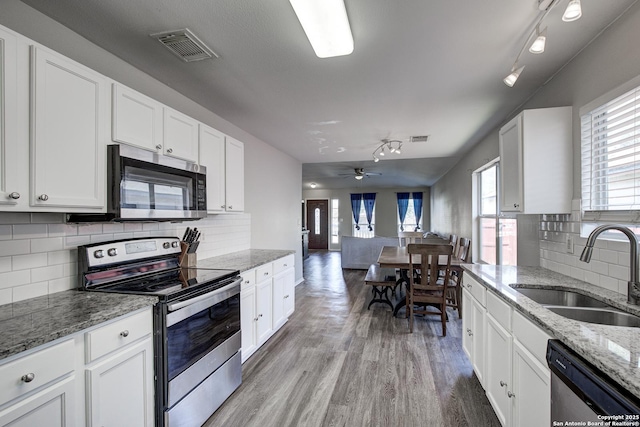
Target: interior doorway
[[318, 223]]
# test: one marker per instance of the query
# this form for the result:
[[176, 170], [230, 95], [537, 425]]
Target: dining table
[[398, 257]]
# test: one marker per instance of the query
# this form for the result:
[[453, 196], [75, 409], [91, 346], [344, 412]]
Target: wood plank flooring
[[335, 363]]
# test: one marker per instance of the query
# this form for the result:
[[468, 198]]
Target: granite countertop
[[613, 349], [244, 260], [30, 323]]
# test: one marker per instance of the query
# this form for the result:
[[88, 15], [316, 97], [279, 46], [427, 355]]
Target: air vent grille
[[185, 45], [420, 138]]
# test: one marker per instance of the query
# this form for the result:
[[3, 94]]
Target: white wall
[[608, 62], [282, 183]]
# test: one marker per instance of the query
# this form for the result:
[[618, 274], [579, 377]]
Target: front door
[[318, 223]]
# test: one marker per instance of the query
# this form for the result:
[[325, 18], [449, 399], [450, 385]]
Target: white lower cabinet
[[267, 300], [508, 355]]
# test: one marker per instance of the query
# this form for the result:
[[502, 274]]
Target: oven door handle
[[204, 299]]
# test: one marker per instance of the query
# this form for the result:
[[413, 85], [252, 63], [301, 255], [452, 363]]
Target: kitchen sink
[[579, 307], [560, 297], [597, 315]]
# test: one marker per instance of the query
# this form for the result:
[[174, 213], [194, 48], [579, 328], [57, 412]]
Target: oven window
[[150, 189], [197, 335]]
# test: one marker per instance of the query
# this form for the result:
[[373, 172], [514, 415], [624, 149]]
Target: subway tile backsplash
[[38, 250], [609, 266]]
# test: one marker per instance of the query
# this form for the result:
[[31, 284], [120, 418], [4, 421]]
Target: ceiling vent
[[420, 138], [185, 45]]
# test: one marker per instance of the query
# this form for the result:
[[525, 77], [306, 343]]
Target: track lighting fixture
[[571, 13], [394, 146]]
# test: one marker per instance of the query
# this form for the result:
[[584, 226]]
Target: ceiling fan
[[359, 173]]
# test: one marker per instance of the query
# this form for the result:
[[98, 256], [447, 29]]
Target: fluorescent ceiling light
[[541, 40], [573, 11], [510, 80], [326, 25]]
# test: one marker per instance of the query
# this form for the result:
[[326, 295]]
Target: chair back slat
[[408, 237]]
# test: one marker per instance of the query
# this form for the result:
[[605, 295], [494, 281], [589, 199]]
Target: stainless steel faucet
[[633, 287]]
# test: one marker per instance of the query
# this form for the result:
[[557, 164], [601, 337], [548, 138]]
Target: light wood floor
[[335, 363]]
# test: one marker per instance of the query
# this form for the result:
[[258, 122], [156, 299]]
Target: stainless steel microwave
[[147, 186]]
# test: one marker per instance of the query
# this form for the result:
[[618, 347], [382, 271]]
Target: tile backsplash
[[609, 266], [38, 250]]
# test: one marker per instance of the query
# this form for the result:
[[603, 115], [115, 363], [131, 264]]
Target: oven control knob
[[166, 245], [99, 253], [174, 244], [112, 252]]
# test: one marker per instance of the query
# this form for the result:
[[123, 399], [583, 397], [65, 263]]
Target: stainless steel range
[[196, 321]]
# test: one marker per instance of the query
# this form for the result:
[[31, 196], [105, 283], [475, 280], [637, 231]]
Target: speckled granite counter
[[30, 323], [613, 349], [243, 260]]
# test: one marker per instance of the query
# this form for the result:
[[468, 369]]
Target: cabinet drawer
[[531, 336], [264, 272], [283, 263], [475, 288], [117, 334], [45, 365], [499, 310], [248, 279]]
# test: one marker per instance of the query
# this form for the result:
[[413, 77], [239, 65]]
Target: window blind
[[610, 137]]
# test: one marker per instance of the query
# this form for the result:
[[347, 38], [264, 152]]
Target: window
[[497, 235], [610, 137], [335, 221], [364, 228], [411, 221], [359, 205]]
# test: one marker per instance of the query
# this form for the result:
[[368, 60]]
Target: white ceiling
[[419, 67]]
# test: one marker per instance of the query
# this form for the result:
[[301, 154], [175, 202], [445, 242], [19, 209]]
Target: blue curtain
[[417, 207], [403, 204], [369, 201], [356, 204]]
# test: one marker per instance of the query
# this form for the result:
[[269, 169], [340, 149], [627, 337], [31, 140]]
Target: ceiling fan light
[[573, 11], [358, 177], [326, 25], [511, 79], [313, 185], [539, 43]]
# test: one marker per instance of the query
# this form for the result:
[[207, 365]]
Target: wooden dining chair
[[429, 288], [453, 240], [407, 237], [454, 297]]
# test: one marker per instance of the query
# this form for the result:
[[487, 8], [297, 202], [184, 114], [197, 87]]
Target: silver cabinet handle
[[286, 296], [266, 273], [284, 265], [255, 319], [510, 394], [14, 195], [169, 150], [247, 281], [158, 147], [469, 332], [230, 207], [502, 384], [124, 333], [469, 286], [43, 197], [260, 315], [28, 377]]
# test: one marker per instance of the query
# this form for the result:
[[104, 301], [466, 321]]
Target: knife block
[[187, 260]]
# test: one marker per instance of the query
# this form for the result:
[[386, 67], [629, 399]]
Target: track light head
[[573, 12], [511, 79], [376, 159], [539, 43]]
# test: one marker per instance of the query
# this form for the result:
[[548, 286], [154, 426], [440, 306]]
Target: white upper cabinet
[[14, 150], [223, 157], [69, 133], [180, 135], [212, 157], [535, 157], [234, 175], [137, 119]]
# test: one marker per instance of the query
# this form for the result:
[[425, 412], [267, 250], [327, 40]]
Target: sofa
[[359, 253]]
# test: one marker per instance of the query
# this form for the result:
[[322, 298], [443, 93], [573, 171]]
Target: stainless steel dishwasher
[[580, 392]]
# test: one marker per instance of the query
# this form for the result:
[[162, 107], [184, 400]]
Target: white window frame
[[411, 207], [364, 227]]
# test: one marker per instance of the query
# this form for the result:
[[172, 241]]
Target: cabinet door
[[180, 135], [137, 119], [498, 380], [278, 301], [511, 173], [264, 304], [467, 324], [212, 157], [53, 406], [234, 175], [531, 393], [479, 322], [109, 403], [289, 292], [14, 153], [248, 322], [68, 133]]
